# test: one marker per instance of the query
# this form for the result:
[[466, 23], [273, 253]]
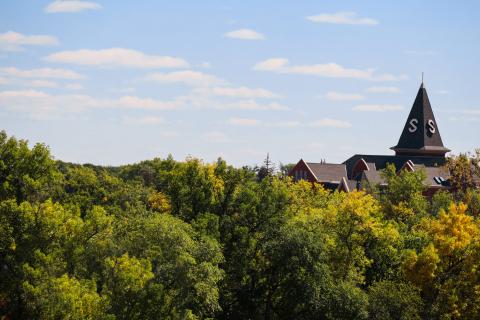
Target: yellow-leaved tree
[[446, 268]]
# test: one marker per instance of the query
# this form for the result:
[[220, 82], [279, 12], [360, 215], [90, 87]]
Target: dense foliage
[[187, 240]]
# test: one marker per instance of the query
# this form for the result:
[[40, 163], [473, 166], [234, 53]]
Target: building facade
[[420, 147]]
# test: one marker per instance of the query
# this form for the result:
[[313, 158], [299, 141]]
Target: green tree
[[26, 174], [402, 198], [65, 298], [395, 301]]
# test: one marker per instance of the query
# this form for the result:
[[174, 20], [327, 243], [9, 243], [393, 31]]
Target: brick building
[[420, 147]]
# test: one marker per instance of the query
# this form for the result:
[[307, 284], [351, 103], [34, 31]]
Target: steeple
[[420, 136]]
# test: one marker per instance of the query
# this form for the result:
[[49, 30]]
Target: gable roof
[[328, 172], [420, 135], [380, 161], [347, 185]]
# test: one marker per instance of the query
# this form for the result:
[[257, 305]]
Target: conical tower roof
[[420, 136]]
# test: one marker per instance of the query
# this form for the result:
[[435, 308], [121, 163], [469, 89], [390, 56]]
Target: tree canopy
[[163, 239]]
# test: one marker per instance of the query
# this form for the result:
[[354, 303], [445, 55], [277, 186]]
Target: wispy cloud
[[40, 105], [37, 104], [249, 105], [285, 124], [347, 17], [14, 41], [330, 70], [238, 92], [35, 83], [341, 96], [383, 90], [244, 122], [188, 77], [116, 57], [333, 123], [73, 86], [205, 65], [462, 111], [48, 73], [38, 83], [133, 102], [249, 122], [71, 6], [245, 34], [148, 120], [377, 107]]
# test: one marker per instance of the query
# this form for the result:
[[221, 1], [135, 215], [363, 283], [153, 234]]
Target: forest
[[164, 239]]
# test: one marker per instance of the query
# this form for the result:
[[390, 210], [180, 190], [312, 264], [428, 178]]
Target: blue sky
[[115, 82]]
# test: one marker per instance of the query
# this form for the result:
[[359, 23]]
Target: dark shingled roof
[[382, 161], [373, 177], [422, 141], [432, 174], [347, 185], [352, 184], [328, 172]]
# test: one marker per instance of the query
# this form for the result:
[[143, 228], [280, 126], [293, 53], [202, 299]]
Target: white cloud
[[216, 137], [205, 65], [14, 41], [133, 102], [200, 100], [377, 107], [238, 92], [116, 57], [244, 122], [24, 93], [39, 104], [48, 73], [248, 122], [273, 64], [148, 120], [28, 83], [245, 34], [330, 70], [188, 77], [73, 86], [463, 115], [249, 105], [43, 84], [327, 122], [342, 18], [461, 111], [383, 90], [38, 83], [285, 124], [71, 6], [340, 96], [122, 89]]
